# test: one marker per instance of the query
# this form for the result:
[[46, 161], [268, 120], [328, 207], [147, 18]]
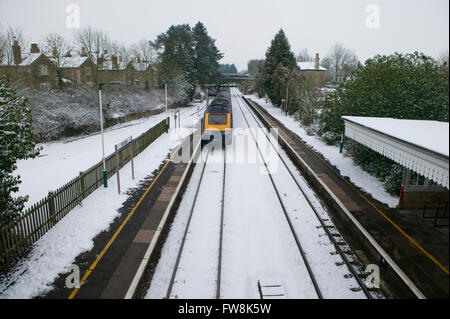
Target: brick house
[[114, 70], [313, 71], [78, 70], [31, 69]]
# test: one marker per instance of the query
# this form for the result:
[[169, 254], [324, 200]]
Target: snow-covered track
[[299, 245], [341, 248], [171, 290], [332, 236]]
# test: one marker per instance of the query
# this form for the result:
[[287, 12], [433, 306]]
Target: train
[[217, 121]]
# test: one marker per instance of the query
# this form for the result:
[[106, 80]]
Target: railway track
[[350, 264], [252, 243], [170, 289]]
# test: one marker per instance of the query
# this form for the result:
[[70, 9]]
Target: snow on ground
[[257, 242], [73, 235], [60, 162], [345, 164]]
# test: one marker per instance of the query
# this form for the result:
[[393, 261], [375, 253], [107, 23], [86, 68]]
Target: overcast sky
[[244, 28]]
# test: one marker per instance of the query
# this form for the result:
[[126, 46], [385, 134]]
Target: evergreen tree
[[16, 142], [207, 56], [279, 52], [228, 68], [403, 86], [177, 57]]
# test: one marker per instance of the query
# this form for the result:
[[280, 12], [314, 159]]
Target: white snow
[[431, 135], [309, 66], [345, 164], [59, 162], [58, 248], [257, 242]]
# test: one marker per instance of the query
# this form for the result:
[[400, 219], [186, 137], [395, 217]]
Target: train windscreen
[[217, 118]]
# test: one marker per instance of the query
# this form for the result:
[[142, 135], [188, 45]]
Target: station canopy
[[421, 146]]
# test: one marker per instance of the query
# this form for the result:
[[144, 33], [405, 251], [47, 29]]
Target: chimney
[[68, 55], [100, 62], [55, 52], [83, 52], [16, 52], [34, 48], [316, 61], [114, 62], [300, 59]]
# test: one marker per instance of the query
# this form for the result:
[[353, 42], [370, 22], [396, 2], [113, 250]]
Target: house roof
[[422, 146], [29, 58], [72, 62], [107, 65], [309, 66]]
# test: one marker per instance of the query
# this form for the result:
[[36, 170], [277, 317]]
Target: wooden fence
[[17, 236]]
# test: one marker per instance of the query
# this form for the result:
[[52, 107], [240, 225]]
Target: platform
[[419, 248]]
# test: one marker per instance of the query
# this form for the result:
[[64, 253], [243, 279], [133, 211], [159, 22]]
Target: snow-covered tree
[[279, 52], [16, 142], [206, 55], [176, 53], [404, 86]]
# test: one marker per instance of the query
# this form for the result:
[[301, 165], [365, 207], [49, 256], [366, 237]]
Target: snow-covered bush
[[16, 142]]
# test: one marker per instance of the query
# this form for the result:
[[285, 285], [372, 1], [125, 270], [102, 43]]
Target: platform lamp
[[167, 116], [100, 85]]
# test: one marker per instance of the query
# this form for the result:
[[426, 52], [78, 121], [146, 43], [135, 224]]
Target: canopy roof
[[421, 146]]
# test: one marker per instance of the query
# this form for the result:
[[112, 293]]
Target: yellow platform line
[[418, 246], [105, 249]]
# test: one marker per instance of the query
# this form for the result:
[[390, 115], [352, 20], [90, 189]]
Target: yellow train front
[[217, 121]]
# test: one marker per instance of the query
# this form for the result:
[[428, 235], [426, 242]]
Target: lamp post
[[167, 119], [100, 85]]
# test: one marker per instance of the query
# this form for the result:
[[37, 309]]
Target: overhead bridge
[[234, 77]]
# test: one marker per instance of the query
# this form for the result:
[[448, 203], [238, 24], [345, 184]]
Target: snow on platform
[[430, 135], [345, 164], [58, 248], [419, 145]]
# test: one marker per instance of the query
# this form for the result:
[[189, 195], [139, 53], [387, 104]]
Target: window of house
[[44, 70], [88, 72], [416, 179]]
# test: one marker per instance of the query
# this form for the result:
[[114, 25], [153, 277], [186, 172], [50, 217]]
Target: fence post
[[51, 206], [132, 156], [82, 194], [117, 168]]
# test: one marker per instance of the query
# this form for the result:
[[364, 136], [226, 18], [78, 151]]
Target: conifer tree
[[207, 55], [278, 53]]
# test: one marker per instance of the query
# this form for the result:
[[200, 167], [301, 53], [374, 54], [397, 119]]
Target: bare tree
[[305, 56], [95, 42], [443, 58], [340, 62], [7, 38], [145, 57], [121, 51], [56, 47]]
